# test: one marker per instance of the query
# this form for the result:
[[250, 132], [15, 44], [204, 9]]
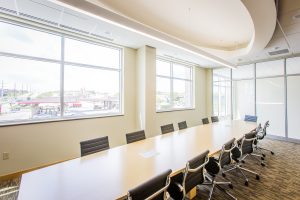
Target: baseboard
[[20, 173], [274, 137]]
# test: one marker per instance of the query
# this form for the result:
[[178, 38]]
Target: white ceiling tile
[[77, 20], [294, 41], [8, 4], [40, 9]]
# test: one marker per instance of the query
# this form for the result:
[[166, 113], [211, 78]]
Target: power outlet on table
[[5, 155]]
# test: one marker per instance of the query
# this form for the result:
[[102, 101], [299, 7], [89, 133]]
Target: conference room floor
[[280, 179]]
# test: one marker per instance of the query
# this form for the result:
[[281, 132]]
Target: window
[[45, 76], [222, 92], [174, 86]]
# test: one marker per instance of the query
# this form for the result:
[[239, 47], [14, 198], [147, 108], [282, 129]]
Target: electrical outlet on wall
[[5, 155]]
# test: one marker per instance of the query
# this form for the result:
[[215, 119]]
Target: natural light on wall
[[174, 86], [46, 76]]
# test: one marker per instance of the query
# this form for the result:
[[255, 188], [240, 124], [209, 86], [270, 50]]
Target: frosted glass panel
[[293, 65], [271, 68], [243, 98], [293, 99], [270, 104], [243, 72]]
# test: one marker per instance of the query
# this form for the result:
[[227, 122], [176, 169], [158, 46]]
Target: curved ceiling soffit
[[263, 15], [94, 9]]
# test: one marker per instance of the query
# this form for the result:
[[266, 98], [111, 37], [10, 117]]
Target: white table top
[[111, 173]]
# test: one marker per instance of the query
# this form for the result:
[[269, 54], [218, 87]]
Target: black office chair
[[260, 136], [94, 145], [135, 136], [250, 118], [155, 188], [215, 165], [205, 121], [214, 119], [167, 128], [192, 176], [239, 154], [182, 125]]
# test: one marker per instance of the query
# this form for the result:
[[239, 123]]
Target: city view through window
[[40, 82]]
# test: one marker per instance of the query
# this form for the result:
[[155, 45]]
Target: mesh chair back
[[214, 119], [154, 188], [193, 178], [250, 118], [135, 136], [95, 145], [267, 124], [205, 121], [225, 155], [167, 128], [247, 143], [182, 125]]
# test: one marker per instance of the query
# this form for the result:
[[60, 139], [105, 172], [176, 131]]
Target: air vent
[[282, 51], [39, 19], [102, 37], [8, 10], [73, 29]]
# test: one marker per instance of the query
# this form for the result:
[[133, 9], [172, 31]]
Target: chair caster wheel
[[263, 164], [224, 175], [262, 158], [272, 153], [230, 186], [263, 155], [257, 177], [243, 161], [246, 183]]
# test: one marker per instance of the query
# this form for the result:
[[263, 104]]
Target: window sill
[[31, 122], [174, 110]]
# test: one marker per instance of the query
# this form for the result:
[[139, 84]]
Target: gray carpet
[[279, 179]]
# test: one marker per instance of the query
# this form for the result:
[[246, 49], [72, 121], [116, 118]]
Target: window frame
[[74, 36], [171, 79]]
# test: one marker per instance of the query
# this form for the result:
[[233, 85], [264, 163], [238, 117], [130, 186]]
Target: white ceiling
[[226, 25], [198, 22]]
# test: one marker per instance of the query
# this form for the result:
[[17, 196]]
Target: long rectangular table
[[110, 174]]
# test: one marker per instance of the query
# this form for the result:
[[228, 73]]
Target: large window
[[49, 76], [174, 86], [222, 92]]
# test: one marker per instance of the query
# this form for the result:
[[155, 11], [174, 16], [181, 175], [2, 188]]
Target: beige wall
[[192, 117], [39, 144]]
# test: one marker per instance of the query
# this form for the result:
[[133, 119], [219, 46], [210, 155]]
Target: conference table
[[110, 174]]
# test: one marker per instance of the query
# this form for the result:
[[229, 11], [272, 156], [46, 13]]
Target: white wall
[[40, 144]]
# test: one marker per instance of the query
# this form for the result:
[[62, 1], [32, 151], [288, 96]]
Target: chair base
[[242, 170], [214, 184]]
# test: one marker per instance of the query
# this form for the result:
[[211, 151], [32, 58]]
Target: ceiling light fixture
[[72, 5]]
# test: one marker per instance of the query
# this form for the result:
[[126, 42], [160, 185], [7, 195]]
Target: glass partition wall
[[222, 92], [269, 90]]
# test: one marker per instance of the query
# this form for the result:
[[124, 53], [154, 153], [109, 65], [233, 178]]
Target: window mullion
[[62, 72], [171, 87]]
